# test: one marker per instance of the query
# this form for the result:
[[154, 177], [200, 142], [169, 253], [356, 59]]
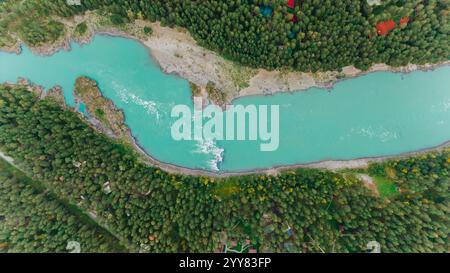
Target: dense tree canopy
[[34, 220]]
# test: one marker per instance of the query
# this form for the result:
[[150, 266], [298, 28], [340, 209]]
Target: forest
[[315, 35], [149, 210], [34, 220]]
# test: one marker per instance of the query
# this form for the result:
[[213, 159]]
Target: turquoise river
[[375, 115]]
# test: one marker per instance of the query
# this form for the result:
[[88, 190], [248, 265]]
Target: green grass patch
[[240, 75], [216, 95], [148, 30], [81, 29], [226, 189], [99, 113], [386, 187], [196, 91], [101, 116]]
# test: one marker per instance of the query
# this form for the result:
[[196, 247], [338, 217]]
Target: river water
[[377, 114]]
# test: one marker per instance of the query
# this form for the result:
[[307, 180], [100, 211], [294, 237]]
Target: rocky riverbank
[[101, 111]]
